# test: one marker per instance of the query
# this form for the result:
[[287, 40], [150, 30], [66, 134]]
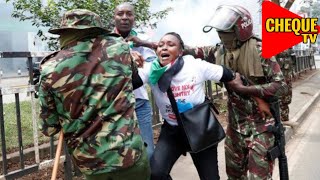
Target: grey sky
[[7, 23]]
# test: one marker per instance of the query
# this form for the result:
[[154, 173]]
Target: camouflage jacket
[[286, 63], [132, 33], [86, 82], [243, 111]]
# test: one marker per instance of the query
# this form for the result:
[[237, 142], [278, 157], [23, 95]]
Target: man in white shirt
[[124, 21]]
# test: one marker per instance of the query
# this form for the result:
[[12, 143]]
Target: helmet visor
[[223, 19]]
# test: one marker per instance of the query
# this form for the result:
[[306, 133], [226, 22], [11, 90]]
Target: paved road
[[303, 150], [317, 59]]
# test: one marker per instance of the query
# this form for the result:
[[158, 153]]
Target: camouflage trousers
[[285, 101], [284, 111], [245, 153], [140, 171]]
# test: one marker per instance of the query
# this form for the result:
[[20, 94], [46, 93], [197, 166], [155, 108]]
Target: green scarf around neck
[[156, 71]]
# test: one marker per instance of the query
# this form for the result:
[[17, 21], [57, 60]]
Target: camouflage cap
[[79, 19]]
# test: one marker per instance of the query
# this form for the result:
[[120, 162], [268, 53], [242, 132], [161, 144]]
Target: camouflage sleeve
[[49, 119], [205, 52], [276, 86]]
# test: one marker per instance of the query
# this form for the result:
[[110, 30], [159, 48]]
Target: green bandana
[[156, 71], [76, 35]]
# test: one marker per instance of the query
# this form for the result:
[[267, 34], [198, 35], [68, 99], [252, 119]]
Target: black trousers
[[171, 145]]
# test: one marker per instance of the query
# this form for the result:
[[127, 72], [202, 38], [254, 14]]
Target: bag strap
[[212, 105], [174, 105]]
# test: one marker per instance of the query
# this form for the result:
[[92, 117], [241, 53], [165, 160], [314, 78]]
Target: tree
[[287, 5], [49, 14], [312, 10]]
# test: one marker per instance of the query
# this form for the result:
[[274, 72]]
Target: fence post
[[30, 67], [35, 128], [3, 139], [18, 116]]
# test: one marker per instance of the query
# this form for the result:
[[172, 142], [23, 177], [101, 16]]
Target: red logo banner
[[282, 29]]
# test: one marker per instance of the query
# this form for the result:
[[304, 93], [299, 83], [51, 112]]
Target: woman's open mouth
[[165, 56]]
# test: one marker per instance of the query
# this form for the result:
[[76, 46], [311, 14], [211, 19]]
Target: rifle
[[278, 151]]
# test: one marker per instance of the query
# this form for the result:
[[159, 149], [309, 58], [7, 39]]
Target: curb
[[301, 115], [28, 153], [296, 84]]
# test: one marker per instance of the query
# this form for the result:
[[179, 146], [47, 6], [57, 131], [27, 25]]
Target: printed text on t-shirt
[[182, 90]]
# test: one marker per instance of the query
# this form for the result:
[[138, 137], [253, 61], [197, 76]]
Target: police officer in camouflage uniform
[[247, 138], [286, 64], [86, 92]]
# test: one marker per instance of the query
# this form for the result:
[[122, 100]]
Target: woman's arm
[[209, 71], [227, 75], [137, 62], [136, 80]]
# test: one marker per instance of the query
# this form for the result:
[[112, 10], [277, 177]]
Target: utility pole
[[289, 4], [276, 2]]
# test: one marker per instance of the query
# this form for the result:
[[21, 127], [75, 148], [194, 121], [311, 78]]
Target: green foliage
[[49, 14], [11, 130], [314, 10]]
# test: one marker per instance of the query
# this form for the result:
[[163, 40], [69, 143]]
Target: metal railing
[[303, 60], [16, 91], [303, 63]]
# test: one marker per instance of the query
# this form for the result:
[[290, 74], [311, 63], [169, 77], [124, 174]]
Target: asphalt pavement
[[303, 150]]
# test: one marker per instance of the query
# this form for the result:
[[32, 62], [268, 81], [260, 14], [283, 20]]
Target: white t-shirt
[[148, 55], [187, 85]]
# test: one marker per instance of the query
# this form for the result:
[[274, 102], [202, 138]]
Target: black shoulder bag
[[200, 124]]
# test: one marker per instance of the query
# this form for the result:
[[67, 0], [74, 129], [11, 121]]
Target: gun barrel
[[283, 168], [279, 149]]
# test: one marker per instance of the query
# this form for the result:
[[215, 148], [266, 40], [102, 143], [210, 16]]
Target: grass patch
[[11, 129]]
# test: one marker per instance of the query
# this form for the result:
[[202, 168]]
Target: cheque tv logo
[[282, 29]]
